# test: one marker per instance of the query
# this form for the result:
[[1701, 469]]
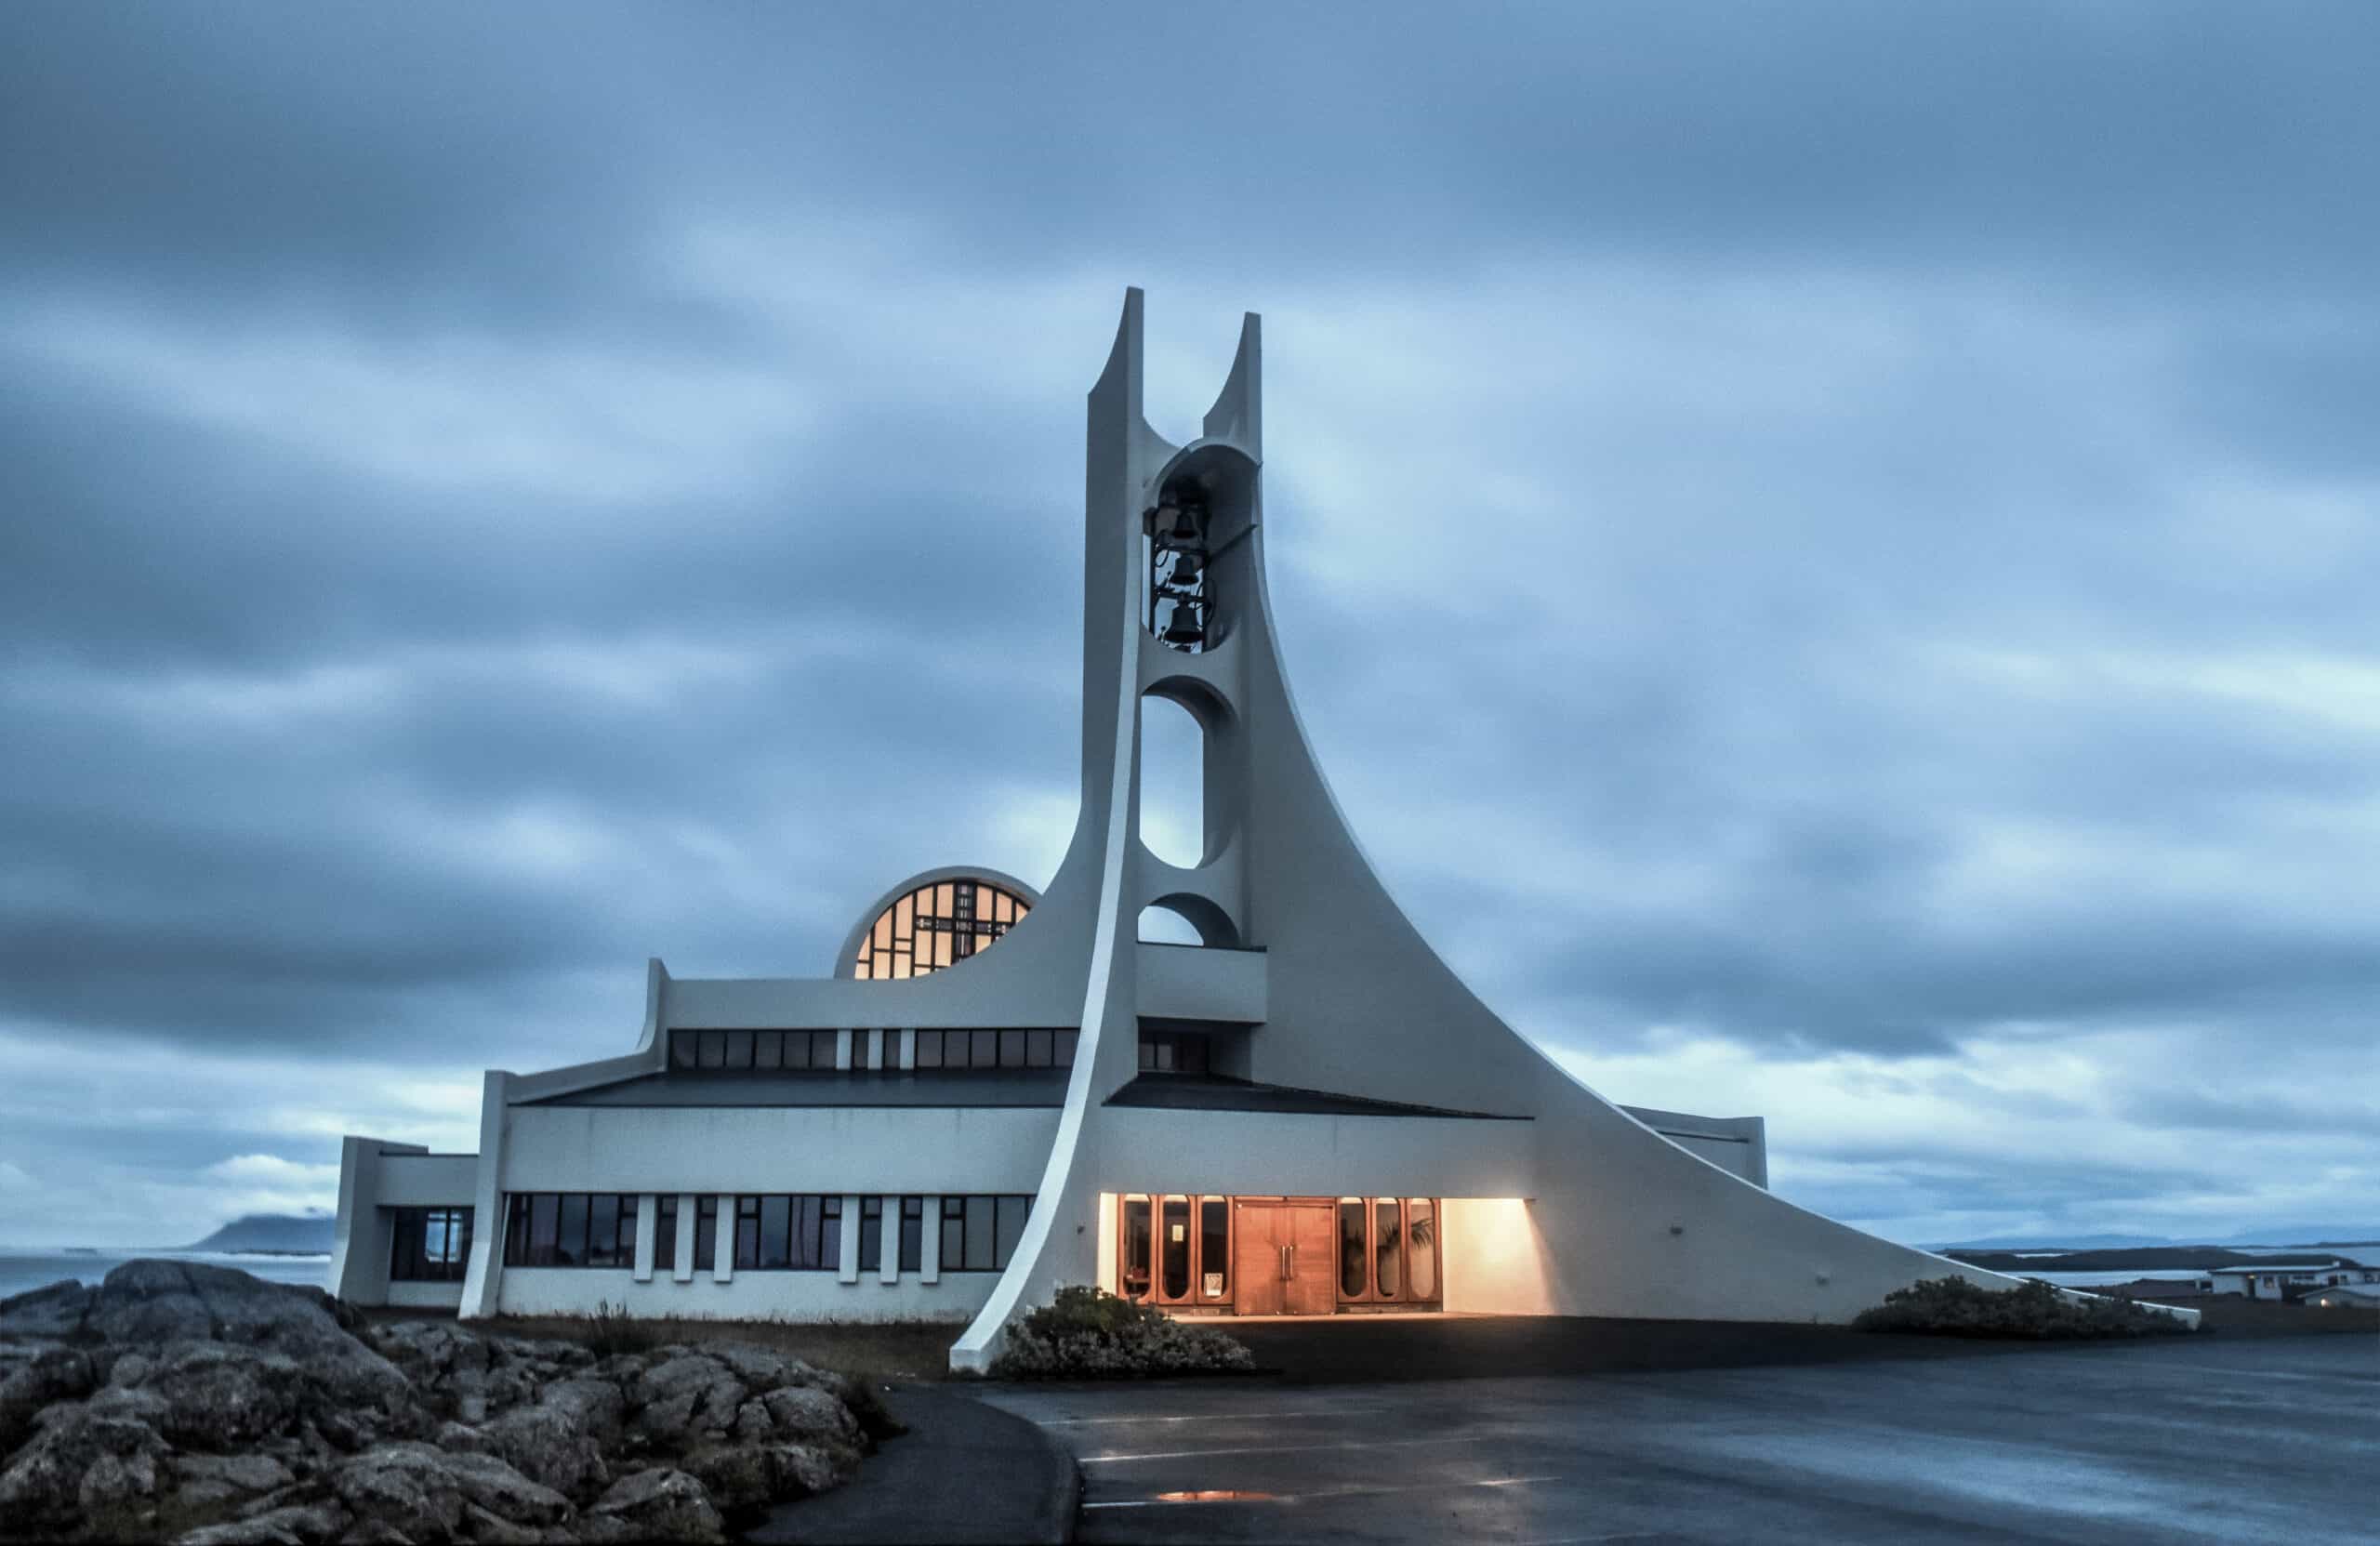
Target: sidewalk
[[965, 1472]]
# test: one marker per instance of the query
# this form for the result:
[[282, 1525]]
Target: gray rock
[[422, 1489], [658, 1504], [113, 1479], [293, 1525], [664, 1422], [800, 1470], [547, 1443], [406, 1489], [595, 1405], [462, 1439], [48, 1374], [43, 1487], [237, 1474], [762, 1367], [54, 1312], [219, 1396], [379, 1532], [435, 1355], [800, 1415]]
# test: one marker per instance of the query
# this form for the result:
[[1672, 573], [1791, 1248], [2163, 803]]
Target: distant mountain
[[2066, 1242], [2286, 1235], [2307, 1234], [274, 1235]]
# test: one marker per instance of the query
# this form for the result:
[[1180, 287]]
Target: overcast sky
[[1829, 551]]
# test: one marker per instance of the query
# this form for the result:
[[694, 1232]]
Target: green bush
[[1955, 1307], [1086, 1334]]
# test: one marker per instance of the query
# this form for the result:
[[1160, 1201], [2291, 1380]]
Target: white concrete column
[[722, 1256], [908, 1049], [849, 1271], [930, 1243], [645, 1223], [888, 1241], [684, 1270], [842, 1050]]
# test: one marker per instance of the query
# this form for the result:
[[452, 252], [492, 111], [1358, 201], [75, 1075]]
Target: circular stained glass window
[[937, 925]]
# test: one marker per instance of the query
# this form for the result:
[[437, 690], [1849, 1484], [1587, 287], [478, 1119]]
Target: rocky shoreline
[[177, 1401]]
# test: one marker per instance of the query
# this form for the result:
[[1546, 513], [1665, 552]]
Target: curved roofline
[[847, 960]]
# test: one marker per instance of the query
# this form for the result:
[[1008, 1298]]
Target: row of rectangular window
[[773, 1052], [772, 1233], [815, 1052]]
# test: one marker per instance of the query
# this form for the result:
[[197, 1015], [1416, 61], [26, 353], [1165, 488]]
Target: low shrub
[[1955, 1307], [1086, 1334], [612, 1329]]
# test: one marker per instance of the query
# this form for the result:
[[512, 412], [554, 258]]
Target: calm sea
[[21, 1270]]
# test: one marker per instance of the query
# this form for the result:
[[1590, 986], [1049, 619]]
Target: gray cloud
[[1842, 538]]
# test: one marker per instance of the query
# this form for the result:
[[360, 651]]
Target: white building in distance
[[1003, 1091]]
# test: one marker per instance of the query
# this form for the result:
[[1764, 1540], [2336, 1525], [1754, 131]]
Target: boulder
[[547, 1443], [55, 1311], [595, 1406], [220, 1396], [48, 1374], [52, 1310], [422, 1489], [801, 1415], [799, 1470], [715, 1392], [762, 1367], [205, 1480], [658, 1504], [461, 1438], [151, 1301], [80, 1458], [291, 1525]]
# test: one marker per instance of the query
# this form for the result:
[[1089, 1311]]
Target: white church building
[[1000, 1089]]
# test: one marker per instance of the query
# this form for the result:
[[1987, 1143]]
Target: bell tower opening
[[1181, 602]]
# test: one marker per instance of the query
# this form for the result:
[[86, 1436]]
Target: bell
[[1185, 529], [1182, 626], [1185, 570]]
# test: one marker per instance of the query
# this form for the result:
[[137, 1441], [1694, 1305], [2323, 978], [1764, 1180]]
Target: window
[[1173, 1053], [913, 1234], [707, 1234], [789, 1233], [1388, 1250], [871, 1233], [979, 1233], [1352, 1276], [1137, 1236], [1214, 1248], [665, 1233], [1173, 1248], [571, 1229], [431, 1245], [935, 926], [762, 1051], [1000, 1049]]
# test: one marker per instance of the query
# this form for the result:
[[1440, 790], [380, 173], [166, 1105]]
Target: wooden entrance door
[[1281, 1260]]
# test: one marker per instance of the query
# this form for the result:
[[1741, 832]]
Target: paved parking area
[[2199, 1439]]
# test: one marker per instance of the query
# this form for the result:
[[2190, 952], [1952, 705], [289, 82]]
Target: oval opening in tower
[[1162, 925], [1173, 782]]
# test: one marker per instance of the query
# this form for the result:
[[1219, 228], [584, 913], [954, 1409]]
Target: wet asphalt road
[[2266, 1439]]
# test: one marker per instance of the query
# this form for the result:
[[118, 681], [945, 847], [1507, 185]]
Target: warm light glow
[[1493, 1262], [936, 926]]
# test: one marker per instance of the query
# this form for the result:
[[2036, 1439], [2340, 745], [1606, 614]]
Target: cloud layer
[[1828, 556]]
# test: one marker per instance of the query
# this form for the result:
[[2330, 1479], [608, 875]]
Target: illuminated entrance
[[1278, 1255]]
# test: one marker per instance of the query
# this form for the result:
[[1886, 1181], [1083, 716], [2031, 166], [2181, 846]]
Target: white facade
[[1339, 1059]]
